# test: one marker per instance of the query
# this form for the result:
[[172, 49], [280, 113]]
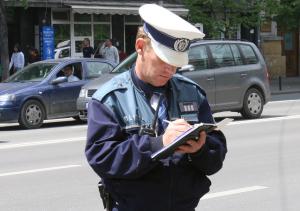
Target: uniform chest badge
[[188, 107]]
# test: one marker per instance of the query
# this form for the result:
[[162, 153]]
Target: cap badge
[[181, 44]]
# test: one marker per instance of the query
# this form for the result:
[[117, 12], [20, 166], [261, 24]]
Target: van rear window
[[222, 55], [249, 54], [198, 57]]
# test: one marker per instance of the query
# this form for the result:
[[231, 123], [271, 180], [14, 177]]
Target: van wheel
[[32, 114], [253, 104]]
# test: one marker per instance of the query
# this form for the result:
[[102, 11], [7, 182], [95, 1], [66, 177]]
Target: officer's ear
[[140, 45]]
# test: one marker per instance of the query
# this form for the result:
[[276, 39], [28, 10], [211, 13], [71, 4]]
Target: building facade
[[74, 20], [281, 50]]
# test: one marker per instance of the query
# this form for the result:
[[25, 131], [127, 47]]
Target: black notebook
[[192, 133]]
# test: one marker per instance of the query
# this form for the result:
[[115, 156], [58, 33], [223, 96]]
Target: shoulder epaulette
[[116, 83]]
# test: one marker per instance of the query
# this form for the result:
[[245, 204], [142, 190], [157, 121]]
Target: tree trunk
[[3, 42]]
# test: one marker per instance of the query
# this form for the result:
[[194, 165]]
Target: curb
[[284, 92]]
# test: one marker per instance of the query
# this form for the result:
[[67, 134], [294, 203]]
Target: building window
[[102, 18], [132, 19], [61, 25], [81, 30], [61, 32], [60, 16], [101, 33], [82, 17]]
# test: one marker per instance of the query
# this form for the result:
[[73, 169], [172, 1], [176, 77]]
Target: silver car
[[90, 88], [232, 73]]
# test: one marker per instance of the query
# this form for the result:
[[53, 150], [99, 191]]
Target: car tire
[[32, 114], [253, 104]]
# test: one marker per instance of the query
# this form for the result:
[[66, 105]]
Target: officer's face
[[155, 71]]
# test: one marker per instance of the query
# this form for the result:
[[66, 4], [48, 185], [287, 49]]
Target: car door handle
[[243, 75], [210, 79]]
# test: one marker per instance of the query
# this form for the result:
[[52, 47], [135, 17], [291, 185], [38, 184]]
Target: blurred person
[[87, 50], [17, 60], [123, 132], [110, 52], [33, 55]]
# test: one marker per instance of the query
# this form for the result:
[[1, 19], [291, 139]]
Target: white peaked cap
[[170, 34]]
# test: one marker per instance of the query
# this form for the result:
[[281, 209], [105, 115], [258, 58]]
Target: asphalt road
[[45, 169]]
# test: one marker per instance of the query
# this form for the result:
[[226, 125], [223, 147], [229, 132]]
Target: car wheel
[[32, 114], [253, 104]]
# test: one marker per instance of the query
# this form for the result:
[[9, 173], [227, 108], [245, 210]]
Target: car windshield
[[32, 72]]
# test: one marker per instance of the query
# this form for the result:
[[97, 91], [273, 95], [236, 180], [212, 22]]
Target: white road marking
[[233, 192], [83, 138], [38, 170], [46, 142], [283, 101], [264, 120]]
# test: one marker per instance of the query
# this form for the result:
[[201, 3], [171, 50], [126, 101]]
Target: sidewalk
[[286, 85]]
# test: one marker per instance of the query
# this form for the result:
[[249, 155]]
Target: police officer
[[125, 125]]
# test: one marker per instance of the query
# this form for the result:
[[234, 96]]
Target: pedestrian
[[123, 132], [33, 55], [87, 50], [17, 60], [109, 52]]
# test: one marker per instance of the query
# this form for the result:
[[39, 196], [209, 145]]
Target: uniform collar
[[148, 89]]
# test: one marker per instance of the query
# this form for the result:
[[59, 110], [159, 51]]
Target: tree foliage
[[287, 15], [225, 16]]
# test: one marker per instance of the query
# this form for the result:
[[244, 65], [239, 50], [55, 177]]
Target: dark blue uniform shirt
[[122, 159]]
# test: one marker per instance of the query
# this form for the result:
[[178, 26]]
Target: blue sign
[[47, 42]]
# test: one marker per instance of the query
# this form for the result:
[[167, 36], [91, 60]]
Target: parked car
[[232, 73], [91, 87], [63, 52], [41, 91]]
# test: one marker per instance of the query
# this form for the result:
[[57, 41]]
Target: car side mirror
[[186, 68], [58, 80]]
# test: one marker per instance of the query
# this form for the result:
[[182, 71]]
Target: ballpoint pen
[[167, 121]]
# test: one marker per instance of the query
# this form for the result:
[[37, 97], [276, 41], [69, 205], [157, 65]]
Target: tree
[[288, 15], [4, 53], [225, 16]]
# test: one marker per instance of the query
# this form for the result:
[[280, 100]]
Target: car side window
[[222, 55], [249, 55], [198, 57], [236, 54], [72, 71], [95, 69]]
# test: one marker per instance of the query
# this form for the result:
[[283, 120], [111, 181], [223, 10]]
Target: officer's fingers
[[178, 127], [191, 146], [180, 122], [185, 148], [202, 136]]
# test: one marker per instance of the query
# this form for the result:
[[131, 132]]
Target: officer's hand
[[192, 146], [174, 129]]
